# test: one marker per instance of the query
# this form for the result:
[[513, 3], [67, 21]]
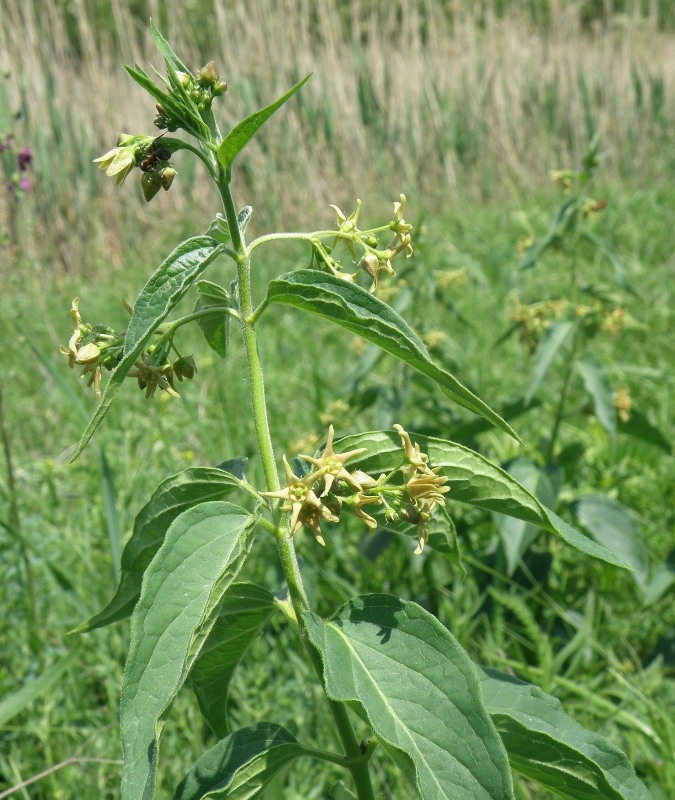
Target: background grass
[[464, 107]]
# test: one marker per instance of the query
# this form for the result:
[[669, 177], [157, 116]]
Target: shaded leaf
[[202, 553], [406, 674], [639, 427], [244, 611], [242, 765], [472, 479], [547, 746], [609, 523], [566, 213], [157, 299], [517, 535], [597, 383], [171, 498], [215, 327], [548, 347], [360, 312], [241, 134], [620, 274]]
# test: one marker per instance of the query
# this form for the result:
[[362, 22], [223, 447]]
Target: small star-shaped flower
[[331, 464], [299, 495]]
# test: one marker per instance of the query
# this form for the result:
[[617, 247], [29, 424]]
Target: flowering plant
[[396, 682]]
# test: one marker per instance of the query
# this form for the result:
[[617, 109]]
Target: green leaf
[[620, 274], [167, 287], [609, 523], [548, 348], [360, 312], [597, 383], [202, 553], [639, 427], [341, 792], [472, 479], [517, 535], [244, 611], [565, 215], [547, 746], [170, 499], [241, 134], [166, 51], [111, 515], [160, 295], [242, 765], [15, 703], [215, 327], [397, 666]]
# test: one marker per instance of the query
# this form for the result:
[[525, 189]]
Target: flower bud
[[150, 184], [166, 176], [208, 75], [184, 367], [219, 88], [88, 354], [184, 79], [124, 139]]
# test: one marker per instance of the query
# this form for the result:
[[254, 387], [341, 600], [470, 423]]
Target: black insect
[[154, 156]]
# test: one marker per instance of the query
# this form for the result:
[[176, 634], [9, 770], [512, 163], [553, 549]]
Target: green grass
[[609, 679]]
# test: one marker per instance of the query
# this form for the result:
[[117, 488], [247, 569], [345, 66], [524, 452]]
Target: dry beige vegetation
[[403, 98]]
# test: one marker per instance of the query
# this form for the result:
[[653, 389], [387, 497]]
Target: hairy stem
[[355, 760]]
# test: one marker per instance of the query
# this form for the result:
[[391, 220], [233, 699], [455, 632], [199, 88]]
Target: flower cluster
[[97, 347], [364, 247], [146, 152], [533, 320], [408, 494]]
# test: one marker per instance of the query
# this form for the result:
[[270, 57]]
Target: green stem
[[355, 761]]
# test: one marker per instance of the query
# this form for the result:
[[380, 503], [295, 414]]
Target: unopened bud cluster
[[408, 494], [200, 89], [98, 347], [364, 247]]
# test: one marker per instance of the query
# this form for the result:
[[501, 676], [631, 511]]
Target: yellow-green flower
[[299, 495], [117, 163], [331, 464]]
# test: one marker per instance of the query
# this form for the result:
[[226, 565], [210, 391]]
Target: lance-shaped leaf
[[201, 556], [160, 295], [244, 611], [215, 326], [173, 496], [242, 765], [597, 383], [516, 534], [565, 215], [166, 51], [547, 746], [360, 312], [241, 134], [620, 274], [610, 523], [397, 666], [548, 348], [472, 479]]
